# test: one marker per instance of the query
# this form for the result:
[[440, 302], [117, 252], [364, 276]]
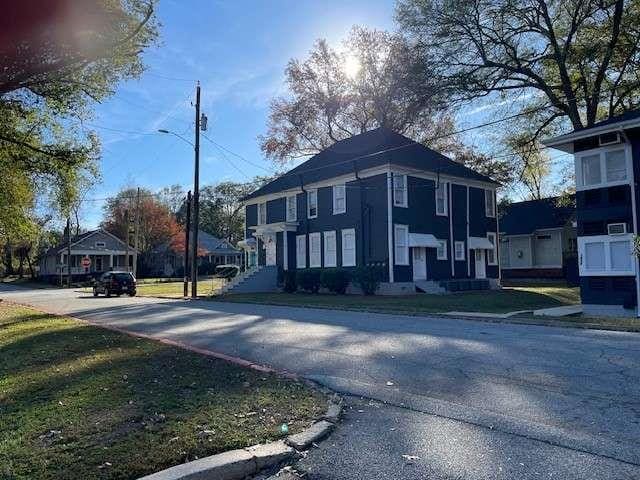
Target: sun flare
[[351, 66]]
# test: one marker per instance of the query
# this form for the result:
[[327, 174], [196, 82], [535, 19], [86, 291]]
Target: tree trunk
[[8, 259]]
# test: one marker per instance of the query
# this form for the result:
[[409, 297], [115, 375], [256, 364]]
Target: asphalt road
[[428, 398]]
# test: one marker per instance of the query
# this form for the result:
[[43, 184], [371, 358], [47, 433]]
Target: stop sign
[[86, 262]]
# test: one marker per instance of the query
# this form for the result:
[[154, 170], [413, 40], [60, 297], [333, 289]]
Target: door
[[271, 252], [419, 263], [481, 270]]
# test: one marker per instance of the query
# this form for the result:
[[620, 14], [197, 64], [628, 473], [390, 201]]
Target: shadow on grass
[[81, 402]]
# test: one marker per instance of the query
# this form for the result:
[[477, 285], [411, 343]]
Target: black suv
[[115, 283]]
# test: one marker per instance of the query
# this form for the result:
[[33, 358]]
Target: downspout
[[468, 249], [634, 212], [362, 235], [390, 222], [452, 248]]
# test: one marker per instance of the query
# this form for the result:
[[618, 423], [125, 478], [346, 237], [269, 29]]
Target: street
[[426, 397]]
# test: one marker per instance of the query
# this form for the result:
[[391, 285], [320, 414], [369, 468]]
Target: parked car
[[115, 283]]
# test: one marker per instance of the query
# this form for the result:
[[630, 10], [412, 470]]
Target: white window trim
[[492, 195], [461, 257], [301, 255], [344, 189], [444, 246], [398, 261], [495, 248], [603, 169], [343, 233], [295, 208], [607, 240], [261, 220], [315, 262], [404, 200], [445, 188], [309, 193], [328, 237]]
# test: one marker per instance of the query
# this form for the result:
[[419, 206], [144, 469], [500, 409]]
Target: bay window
[[603, 167], [606, 255]]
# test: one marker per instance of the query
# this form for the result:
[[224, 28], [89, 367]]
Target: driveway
[[428, 398]]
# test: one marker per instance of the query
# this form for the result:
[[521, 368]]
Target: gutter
[[562, 140]]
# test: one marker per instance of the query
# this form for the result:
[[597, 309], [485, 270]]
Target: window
[[608, 166], [349, 248], [459, 250], [100, 244], [292, 209], [315, 254], [491, 254], [490, 203], [301, 251], [441, 251], [606, 255], [262, 213], [441, 199], [312, 204], [339, 199], [400, 190], [330, 249], [401, 234], [615, 165]]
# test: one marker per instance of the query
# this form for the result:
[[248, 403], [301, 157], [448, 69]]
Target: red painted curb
[[173, 343]]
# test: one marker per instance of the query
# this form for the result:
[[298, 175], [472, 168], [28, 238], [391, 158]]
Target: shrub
[[336, 280], [290, 284], [368, 278], [309, 280]]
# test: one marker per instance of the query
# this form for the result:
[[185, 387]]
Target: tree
[[157, 224], [535, 166], [335, 94], [572, 61], [57, 58], [221, 210]]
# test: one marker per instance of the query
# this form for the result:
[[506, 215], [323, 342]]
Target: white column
[[285, 252], [452, 246], [468, 249], [111, 261]]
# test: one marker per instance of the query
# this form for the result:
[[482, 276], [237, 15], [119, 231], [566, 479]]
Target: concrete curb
[[238, 464]]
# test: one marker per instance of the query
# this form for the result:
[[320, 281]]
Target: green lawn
[[502, 301], [206, 287], [80, 402]]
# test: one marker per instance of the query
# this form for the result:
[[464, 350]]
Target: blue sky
[[238, 50]]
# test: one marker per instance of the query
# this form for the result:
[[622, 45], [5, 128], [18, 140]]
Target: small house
[[538, 239]]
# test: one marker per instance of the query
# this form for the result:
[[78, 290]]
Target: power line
[[237, 155]]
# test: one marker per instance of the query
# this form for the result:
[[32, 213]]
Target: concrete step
[[263, 279]]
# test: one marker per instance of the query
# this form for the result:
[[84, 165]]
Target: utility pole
[[186, 245], [68, 252], [126, 239], [196, 200], [136, 232]]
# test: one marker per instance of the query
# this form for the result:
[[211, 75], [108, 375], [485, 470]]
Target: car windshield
[[123, 277]]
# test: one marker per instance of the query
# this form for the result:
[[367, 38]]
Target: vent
[[617, 228], [609, 138]]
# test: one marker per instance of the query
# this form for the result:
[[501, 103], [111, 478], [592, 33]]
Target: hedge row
[[336, 280]]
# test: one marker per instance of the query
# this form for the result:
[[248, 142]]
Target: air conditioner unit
[[609, 138], [617, 228]]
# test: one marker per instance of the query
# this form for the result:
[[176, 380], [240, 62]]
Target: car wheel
[[107, 292], [132, 294], [95, 292]]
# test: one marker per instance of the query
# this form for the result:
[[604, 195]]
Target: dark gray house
[[538, 239], [92, 253], [378, 198], [607, 164]]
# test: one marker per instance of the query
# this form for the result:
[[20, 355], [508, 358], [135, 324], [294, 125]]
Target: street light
[[162, 130]]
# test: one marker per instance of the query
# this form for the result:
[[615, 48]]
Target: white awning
[[480, 243], [423, 240]]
